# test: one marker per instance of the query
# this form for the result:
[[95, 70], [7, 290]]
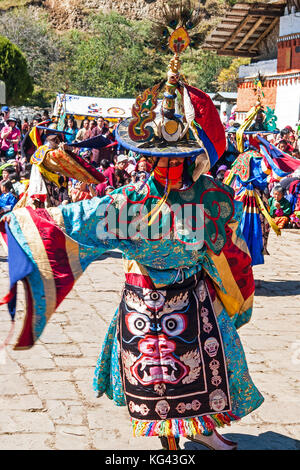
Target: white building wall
[[289, 24], [2, 93], [287, 107]]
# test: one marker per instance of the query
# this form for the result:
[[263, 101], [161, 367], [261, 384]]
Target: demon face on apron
[[171, 353]]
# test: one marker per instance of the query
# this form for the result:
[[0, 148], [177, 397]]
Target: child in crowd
[[7, 199], [280, 208]]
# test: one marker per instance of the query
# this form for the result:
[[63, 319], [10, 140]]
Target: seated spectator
[[142, 170], [18, 186], [220, 173], [81, 191], [6, 174], [7, 199], [293, 196], [295, 216], [108, 190], [10, 136], [283, 146], [108, 171], [280, 208], [131, 167], [284, 134], [121, 174]]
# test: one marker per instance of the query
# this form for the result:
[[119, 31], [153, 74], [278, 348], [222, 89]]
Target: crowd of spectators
[[121, 167], [282, 196]]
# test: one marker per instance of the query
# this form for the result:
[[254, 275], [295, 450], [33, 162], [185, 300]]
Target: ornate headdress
[[185, 124]]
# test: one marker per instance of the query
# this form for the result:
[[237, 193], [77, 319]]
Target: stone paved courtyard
[[46, 395]]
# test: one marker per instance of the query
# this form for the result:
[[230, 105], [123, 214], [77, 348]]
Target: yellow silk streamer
[[248, 120], [266, 214], [156, 210], [229, 178], [49, 175]]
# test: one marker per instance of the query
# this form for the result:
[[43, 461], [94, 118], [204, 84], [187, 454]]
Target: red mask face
[[173, 173]]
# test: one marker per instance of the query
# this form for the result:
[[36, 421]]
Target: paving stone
[[25, 421], [49, 400], [71, 438], [61, 412], [56, 390], [39, 441], [13, 385], [21, 402]]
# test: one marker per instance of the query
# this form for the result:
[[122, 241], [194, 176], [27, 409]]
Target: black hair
[[105, 163], [278, 189], [14, 177], [9, 170], [7, 184], [284, 132]]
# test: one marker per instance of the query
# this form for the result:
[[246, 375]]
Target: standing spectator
[[100, 129], [10, 138], [71, 128], [224, 118], [83, 133], [93, 124]]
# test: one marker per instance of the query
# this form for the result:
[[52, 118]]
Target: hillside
[[66, 14]]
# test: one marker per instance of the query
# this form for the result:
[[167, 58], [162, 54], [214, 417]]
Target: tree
[[228, 77], [113, 60], [202, 69], [29, 30], [14, 72]]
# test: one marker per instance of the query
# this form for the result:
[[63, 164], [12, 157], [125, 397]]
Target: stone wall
[[67, 14]]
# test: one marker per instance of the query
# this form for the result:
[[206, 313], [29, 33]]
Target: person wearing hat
[[220, 173], [5, 113], [121, 175], [10, 138], [172, 353]]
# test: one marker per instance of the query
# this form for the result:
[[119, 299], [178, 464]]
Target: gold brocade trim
[[61, 162], [133, 267], [40, 256]]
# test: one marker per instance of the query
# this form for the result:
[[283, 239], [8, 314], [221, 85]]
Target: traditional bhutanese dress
[[172, 352]]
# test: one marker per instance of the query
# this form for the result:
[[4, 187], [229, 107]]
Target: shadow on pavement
[[277, 288], [265, 441], [3, 259]]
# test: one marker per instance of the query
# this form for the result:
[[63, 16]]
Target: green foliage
[[228, 76], [13, 71], [113, 59], [29, 30], [202, 69]]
